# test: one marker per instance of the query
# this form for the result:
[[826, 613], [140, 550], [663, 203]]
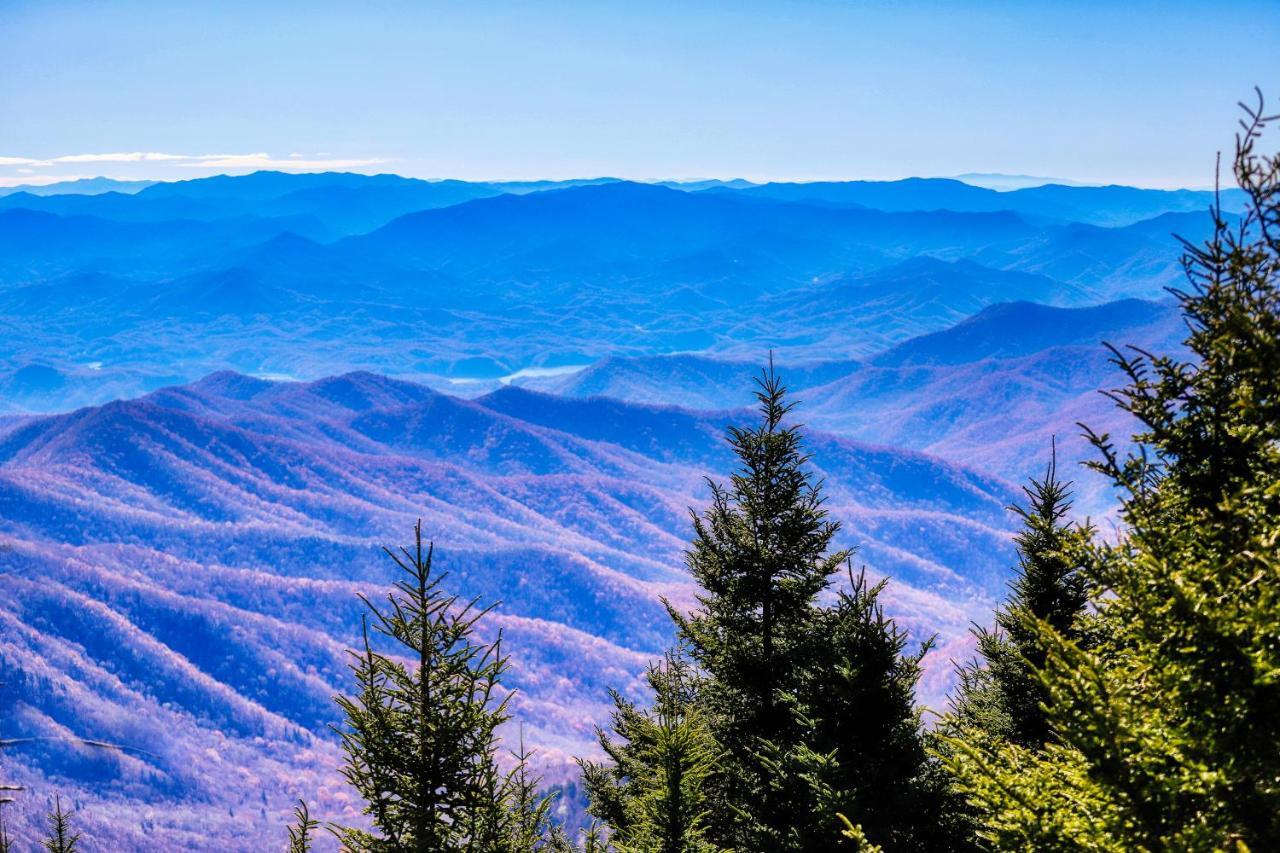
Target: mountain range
[[1104, 206], [119, 303], [181, 570], [219, 399]]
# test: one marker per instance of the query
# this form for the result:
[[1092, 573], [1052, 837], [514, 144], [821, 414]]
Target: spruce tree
[[527, 824], [1167, 726], [856, 839], [793, 712], [761, 554], [301, 833], [60, 838], [1001, 693], [864, 755], [593, 839], [420, 736], [653, 793]]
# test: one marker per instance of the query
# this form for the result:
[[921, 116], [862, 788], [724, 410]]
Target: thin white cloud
[[256, 160], [121, 157], [263, 161]]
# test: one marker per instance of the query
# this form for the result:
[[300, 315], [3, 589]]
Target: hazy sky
[[800, 90]]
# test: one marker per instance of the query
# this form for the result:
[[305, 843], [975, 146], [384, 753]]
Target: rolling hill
[[991, 391], [488, 288], [180, 570], [180, 556]]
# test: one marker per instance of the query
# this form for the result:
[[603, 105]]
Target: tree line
[[1125, 698]]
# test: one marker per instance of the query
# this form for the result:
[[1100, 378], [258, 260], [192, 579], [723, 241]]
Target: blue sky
[[1139, 93]]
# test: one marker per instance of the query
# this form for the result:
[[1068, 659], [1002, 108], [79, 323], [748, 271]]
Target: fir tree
[[61, 839], [865, 750], [593, 839], [653, 793], [761, 554], [858, 842], [527, 825], [1167, 728], [1001, 693], [420, 735], [808, 710], [300, 834]]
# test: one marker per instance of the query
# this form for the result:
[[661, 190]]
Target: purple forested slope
[[179, 572]]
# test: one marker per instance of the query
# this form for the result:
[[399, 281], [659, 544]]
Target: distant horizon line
[[995, 181]]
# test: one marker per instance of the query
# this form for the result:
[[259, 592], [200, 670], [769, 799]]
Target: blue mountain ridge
[[220, 397]]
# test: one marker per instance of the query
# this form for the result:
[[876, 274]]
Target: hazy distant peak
[[80, 186], [1003, 183], [709, 183]]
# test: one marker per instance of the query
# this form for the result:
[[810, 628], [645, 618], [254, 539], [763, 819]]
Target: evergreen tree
[[420, 736], [761, 554], [61, 839], [1168, 726], [864, 755], [653, 793], [857, 838], [528, 826], [300, 834], [793, 711], [1001, 694], [593, 839]]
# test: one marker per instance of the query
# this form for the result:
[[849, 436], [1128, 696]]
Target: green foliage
[[1001, 695], [527, 825], [60, 838], [857, 837], [863, 751], [653, 792], [301, 833], [1001, 698], [593, 839], [1167, 722], [421, 733], [792, 710], [761, 554]]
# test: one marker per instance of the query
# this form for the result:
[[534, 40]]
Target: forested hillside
[[598, 515]]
